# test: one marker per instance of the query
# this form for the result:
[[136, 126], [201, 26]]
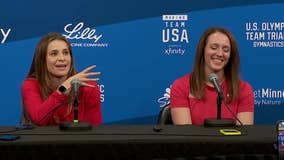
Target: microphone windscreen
[[212, 76], [76, 81]]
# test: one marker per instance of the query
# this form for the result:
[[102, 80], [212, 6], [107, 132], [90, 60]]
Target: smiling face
[[58, 59], [216, 53]]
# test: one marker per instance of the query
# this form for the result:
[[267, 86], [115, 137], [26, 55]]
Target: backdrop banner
[[140, 48]]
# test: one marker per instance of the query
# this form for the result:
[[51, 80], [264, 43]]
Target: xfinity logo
[[4, 34], [79, 32]]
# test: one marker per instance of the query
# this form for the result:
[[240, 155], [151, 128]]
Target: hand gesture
[[83, 76]]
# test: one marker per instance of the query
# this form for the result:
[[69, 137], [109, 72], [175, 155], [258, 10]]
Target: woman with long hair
[[193, 96], [46, 90]]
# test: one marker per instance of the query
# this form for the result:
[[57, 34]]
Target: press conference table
[[139, 142]]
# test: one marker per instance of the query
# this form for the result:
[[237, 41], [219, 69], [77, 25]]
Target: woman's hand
[[83, 76]]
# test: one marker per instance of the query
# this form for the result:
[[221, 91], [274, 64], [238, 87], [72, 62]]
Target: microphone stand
[[219, 122], [75, 125], [219, 104], [76, 104]]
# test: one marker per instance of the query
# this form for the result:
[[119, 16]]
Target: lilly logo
[[79, 32], [4, 34], [165, 100]]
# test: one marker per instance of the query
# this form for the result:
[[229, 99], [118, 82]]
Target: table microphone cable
[[22, 126], [241, 127]]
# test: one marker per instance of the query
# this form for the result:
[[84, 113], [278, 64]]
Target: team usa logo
[[175, 34]]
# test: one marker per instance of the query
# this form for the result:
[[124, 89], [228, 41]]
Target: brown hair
[[231, 70], [38, 68]]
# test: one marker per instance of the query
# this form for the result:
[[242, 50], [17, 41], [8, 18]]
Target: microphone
[[75, 125], [214, 80], [75, 85], [218, 121]]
